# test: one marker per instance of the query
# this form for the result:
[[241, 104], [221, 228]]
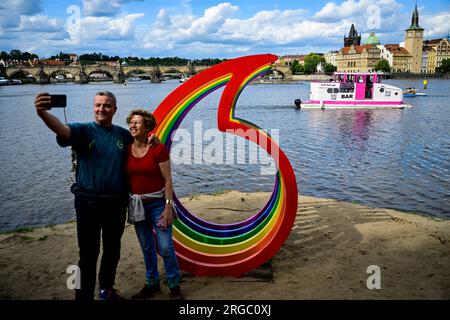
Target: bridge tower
[[191, 69], [42, 77], [156, 75]]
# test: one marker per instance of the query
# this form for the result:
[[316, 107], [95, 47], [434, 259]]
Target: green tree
[[311, 62], [382, 65], [296, 67], [445, 66], [329, 68]]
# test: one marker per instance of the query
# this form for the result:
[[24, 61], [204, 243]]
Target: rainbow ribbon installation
[[209, 249]]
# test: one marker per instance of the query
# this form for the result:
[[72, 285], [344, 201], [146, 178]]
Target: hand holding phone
[[44, 101], [58, 101]]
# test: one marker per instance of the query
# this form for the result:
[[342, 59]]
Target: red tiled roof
[[358, 49], [432, 41], [396, 49], [52, 62], [297, 57]]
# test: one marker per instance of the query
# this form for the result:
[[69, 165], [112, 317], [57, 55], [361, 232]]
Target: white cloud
[[11, 10], [163, 19], [99, 8], [39, 23], [178, 29], [217, 28], [436, 25], [220, 31], [333, 12], [105, 28], [27, 7]]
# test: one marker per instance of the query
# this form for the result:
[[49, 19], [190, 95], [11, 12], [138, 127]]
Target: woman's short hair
[[148, 118]]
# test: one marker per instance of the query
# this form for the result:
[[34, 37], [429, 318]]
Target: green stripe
[[186, 230]]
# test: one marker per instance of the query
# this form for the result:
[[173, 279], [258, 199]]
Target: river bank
[[325, 257]]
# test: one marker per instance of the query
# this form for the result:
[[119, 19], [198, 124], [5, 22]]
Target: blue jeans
[[144, 231]]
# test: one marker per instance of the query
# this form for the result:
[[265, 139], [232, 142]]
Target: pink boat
[[347, 90]]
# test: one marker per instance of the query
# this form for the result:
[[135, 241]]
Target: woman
[[148, 170]]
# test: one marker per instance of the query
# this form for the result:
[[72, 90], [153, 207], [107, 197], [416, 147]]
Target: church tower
[[353, 38], [414, 42]]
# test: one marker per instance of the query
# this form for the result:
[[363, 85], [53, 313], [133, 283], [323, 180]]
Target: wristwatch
[[169, 201]]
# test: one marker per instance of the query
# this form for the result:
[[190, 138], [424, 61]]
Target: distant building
[[358, 58], [372, 39], [414, 42], [386, 54], [400, 58], [51, 62], [330, 57], [73, 57], [288, 59], [353, 38], [435, 50]]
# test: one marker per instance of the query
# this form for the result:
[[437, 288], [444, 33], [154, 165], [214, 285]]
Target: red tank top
[[144, 173]]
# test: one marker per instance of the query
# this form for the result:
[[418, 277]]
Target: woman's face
[[137, 126]]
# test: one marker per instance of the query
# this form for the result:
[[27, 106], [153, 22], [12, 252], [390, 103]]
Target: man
[[101, 193]]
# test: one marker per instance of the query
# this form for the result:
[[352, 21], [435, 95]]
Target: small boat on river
[[412, 92], [353, 90]]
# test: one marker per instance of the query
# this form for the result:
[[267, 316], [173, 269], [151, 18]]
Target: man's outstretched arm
[[43, 104]]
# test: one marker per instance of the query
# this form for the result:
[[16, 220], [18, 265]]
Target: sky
[[207, 29]]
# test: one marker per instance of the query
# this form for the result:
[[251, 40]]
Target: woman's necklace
[[140, 149]]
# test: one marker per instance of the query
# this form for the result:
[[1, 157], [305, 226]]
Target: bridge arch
[[53, 74], [15, 74], [12, 72], [174, 73], [134, 71], [276, 73], [108, 73]]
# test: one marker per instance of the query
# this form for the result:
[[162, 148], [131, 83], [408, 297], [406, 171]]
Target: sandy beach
[[325, 257]]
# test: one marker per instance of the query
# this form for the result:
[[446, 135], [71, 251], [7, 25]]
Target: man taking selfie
[[101, 193]]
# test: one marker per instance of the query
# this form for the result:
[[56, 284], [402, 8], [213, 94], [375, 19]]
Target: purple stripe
[[354, 102]]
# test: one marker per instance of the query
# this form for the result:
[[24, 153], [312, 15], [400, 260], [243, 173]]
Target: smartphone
[[58, 100]]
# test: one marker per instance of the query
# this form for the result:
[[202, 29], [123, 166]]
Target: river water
[[382, 158]]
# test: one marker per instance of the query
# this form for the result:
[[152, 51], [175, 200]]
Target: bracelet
[[169, 201]]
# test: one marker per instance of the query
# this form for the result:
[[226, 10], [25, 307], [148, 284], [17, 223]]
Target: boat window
[[329, 90], [335, 90], [381, 89]]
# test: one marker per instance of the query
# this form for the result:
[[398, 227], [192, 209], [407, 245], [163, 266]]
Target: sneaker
[[147, 292], [109, 294], [175, 293]]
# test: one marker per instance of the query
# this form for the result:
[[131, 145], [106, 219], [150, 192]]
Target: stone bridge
[[118, 73]]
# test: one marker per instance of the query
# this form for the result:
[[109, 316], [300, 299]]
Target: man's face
[[104, 110]]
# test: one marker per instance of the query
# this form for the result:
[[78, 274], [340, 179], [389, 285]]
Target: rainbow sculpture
[[209, 249]]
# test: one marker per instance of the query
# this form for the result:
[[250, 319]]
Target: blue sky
[[203, 29]]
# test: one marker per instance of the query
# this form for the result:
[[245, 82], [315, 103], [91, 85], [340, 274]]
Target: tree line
[[130, 60], [311, 61]]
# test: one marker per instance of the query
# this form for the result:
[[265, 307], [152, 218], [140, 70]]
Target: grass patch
[[23, 230], [219, 192], [26, 238]]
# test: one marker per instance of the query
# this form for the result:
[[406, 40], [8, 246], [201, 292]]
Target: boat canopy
[[357, 77]]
